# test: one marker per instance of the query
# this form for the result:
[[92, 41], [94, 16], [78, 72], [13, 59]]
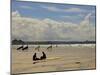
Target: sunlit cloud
[[48, 29], [56, 9], [26, 7], [74, 10], [52, 8]]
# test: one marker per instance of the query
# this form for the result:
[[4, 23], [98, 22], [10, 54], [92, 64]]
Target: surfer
[[41, 58], [44, 56], [35, 57]]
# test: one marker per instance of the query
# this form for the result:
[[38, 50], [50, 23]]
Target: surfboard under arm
[[48, 59]]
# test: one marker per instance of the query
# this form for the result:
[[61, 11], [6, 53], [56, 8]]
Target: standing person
[[35, 57], [44, 56]]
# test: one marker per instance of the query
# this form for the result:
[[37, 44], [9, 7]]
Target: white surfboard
[[48, 59]]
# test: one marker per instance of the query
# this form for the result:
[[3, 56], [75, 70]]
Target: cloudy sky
[[33, 21]]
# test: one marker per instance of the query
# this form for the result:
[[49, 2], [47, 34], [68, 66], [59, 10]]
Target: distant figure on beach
[[37, 48], [56, 45], [49, 48], [25, 48], [21, 47]]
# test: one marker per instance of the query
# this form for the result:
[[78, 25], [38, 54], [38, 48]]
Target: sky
[[34, 21]]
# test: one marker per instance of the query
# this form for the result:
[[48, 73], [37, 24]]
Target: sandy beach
[[67, 57]]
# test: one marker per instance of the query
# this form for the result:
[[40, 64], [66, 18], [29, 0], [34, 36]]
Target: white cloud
[[56, 9], [74, 10], [15, 14], [34, 29], [70, 17], [66, 16], [88, 16], [26, 7], [86, 20], [51, 8]]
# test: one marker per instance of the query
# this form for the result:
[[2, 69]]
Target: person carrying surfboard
[[44, 56], [41, 58], [35, 57]]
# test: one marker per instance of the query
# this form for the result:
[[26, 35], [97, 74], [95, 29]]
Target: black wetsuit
[[41, 58], [44, 56], [35, 58]]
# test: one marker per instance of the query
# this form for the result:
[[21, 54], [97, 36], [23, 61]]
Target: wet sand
[[58, 59]]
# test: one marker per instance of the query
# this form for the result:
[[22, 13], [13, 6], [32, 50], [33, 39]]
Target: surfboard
[[45, 60], [53, 58]]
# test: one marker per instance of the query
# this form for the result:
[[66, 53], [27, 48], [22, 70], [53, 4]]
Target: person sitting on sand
[[44, 56]]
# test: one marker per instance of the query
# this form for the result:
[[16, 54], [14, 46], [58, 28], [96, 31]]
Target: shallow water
[[60, 45]]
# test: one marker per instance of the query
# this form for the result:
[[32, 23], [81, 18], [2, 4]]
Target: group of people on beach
[[35, 58]]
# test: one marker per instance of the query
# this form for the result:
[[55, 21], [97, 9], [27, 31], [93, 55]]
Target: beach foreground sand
[[58, 59]]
